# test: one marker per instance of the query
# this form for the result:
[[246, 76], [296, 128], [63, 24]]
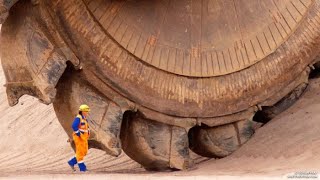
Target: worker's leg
[[81, 164], [73, 161], [81, 151]]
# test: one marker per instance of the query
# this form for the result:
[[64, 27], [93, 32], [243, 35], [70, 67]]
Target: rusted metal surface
[[155, 145], [220, 141], [208, 66]]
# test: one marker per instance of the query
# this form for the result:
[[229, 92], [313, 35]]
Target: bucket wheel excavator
[[162, 77]]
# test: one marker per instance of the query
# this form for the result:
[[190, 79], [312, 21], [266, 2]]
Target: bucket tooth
[[105, 118], [33, 61], [156, 146], [220, 141]]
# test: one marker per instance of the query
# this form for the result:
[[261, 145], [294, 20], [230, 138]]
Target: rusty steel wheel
[[161, 77]]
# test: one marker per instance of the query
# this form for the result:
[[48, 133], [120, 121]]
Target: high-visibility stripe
[[80, 162], [82, 130], [76, 131]]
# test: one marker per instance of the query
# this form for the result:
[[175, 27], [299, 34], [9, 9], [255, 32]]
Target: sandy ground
[[34, 146]]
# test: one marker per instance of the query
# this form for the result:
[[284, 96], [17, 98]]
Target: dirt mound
[[289, 143]]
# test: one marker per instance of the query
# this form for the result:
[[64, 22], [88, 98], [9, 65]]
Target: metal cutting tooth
[[155, 145], [220, 141]]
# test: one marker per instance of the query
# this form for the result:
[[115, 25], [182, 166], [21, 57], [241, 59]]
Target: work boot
[[72, 162], [82, 167]]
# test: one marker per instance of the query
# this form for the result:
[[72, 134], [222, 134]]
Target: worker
[[81, 133]]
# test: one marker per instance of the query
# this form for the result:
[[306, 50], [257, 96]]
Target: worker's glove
[[78, 133]]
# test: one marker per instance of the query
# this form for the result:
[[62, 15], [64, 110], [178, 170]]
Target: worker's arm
[[75, 126]]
